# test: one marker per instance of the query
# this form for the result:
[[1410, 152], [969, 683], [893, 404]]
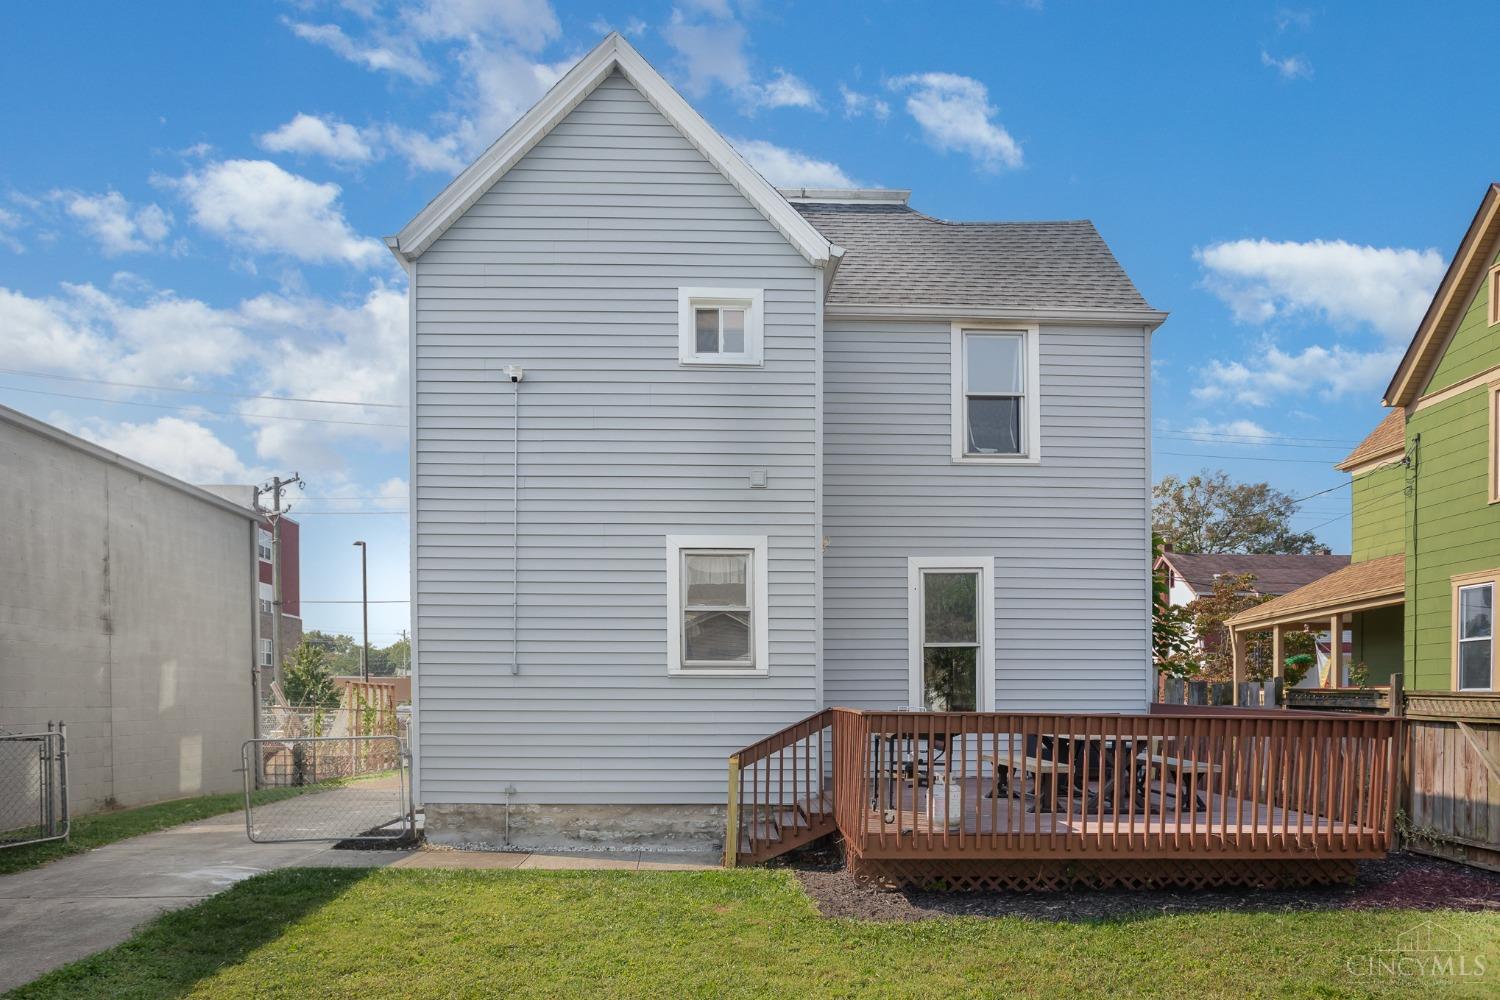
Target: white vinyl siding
[[571, 267], [1068, 536]]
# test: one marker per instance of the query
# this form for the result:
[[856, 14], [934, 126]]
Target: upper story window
[[716, 605], [266, 598], [996, 397], [719, 326], [1494, 292], [263, 545]]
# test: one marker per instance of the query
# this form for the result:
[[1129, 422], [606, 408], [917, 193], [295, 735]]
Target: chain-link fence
[[33, 786], [351, 788]]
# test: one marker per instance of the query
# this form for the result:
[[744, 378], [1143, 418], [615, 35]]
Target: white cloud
[[499, 85], [182, 448], [87, 331], [395, 58], [711, 51], [10, 224], [789, 168], [1288, 67], [1231, 432], [259, 206], [783, 90], [1287, 17], [442, 153], [529, 24], [632, 27], [322, 350], [1386, 288], [1275, 377], [117, 227], [955, 114], [857, 104], [320, 136]]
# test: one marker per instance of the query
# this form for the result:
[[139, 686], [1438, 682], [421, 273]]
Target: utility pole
[[276, 487], [364, 605]]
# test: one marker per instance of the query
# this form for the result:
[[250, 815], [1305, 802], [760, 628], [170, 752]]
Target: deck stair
[[781, 793]]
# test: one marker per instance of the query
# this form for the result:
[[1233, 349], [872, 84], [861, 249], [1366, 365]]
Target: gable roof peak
[[1469, 263], [612, 54]]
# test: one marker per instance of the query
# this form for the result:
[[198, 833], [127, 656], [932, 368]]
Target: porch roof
[[1370, 584]]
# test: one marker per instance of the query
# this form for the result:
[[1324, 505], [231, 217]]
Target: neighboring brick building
[[291, 606]]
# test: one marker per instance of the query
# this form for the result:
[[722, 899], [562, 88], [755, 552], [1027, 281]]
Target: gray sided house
[[693, 458]]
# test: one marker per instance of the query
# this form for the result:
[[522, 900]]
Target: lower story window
[[717, 596], [1476, 642], [265, 652], [951, 617]]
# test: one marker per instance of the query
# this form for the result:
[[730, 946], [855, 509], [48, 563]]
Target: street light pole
[[364, 603]]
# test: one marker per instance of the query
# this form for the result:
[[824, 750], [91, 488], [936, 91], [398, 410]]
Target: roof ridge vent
[[847, 196]]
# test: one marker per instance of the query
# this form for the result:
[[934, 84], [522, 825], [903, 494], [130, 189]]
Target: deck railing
[[780, 793], [1226, 783]]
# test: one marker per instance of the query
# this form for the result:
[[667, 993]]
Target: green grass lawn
[[426, 933], [98, 829]]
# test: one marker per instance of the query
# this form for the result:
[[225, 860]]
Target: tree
[[1209, 513], [306, 680], [1172, 645], [342, 655], [1231, 595]]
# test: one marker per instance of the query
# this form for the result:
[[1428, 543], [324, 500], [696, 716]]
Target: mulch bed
[[1407, 881]]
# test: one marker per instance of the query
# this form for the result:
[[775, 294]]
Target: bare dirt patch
[[1405, 881]]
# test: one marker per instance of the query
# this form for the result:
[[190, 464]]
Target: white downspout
[[516, 373]]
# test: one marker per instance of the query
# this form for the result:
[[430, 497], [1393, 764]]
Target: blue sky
[[190, 203]]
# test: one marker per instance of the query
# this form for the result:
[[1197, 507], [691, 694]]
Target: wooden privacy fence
[[1252, 694], [1452, 803]]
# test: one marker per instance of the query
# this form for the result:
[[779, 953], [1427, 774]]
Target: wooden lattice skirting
[[1050, 876]]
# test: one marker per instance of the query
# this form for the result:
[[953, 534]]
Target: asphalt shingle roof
[[895, 255], [1372, 580], [1388, 436], [1273, 574]]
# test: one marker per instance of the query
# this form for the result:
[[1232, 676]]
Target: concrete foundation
[[476, 826]]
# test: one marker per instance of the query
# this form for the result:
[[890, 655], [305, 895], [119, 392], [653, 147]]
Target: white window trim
[[267, 651], [753, 302], [915, 567], [1031, 410], [1494, 293], [1492, 585], [267, 598], [263, 542], [759, 613]]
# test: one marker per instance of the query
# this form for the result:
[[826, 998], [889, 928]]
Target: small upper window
[[263, 546], [719, 326], [265, 652], [1494, 292], [995, 400], [266, 597]]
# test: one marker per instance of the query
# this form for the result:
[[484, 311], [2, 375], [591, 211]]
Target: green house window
[[1476, 641]]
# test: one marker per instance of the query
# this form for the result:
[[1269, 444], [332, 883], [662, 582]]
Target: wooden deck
[[1196, 797], [1016, 826]]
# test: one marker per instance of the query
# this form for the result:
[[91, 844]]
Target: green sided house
[[1418, 595]]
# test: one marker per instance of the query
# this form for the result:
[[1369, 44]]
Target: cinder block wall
[[125, 610]]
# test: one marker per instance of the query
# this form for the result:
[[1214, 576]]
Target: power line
[[1341, 442], [1246, 458], [198, 392], [1258, 442], [392, 601], [346, 513], [197, 409], [1340, 486]]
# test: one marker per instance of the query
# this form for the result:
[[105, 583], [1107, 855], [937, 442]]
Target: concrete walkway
[[76, 906]]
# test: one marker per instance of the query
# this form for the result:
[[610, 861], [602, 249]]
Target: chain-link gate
[[351, 788], [33, 786]]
